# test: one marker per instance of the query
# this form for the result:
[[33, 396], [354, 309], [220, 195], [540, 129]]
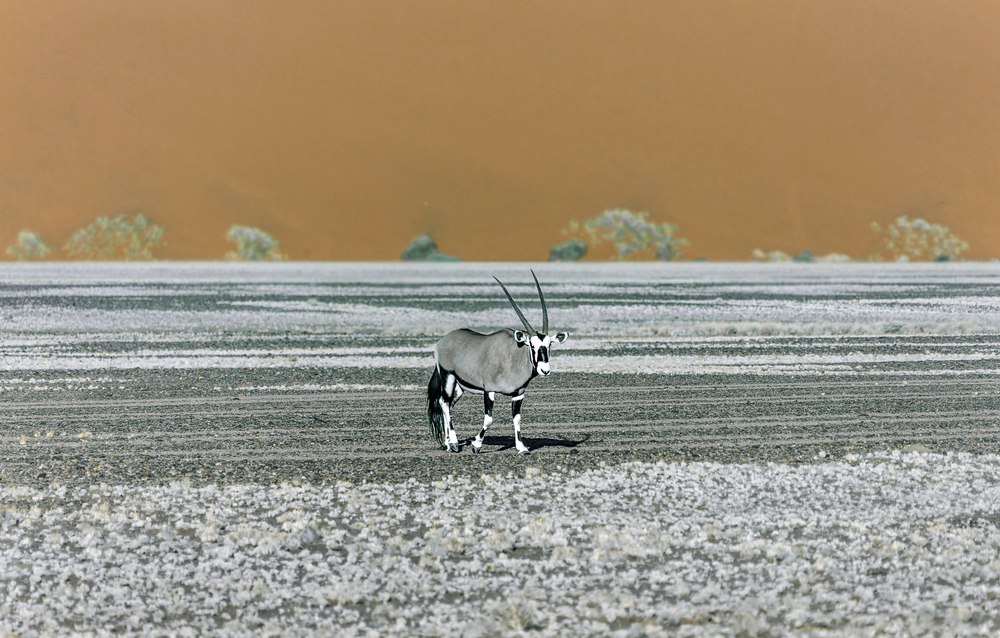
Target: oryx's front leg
[[453, 392], [488, 398], [515, 408]]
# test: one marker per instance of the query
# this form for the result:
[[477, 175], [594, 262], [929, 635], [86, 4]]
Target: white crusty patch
[[901, 544]]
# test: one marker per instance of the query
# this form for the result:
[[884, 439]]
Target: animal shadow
[[507, 443]]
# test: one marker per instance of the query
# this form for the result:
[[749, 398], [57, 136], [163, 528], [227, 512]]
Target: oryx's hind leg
[[452, 393], [488, 398], [453, 433], [515, 408]]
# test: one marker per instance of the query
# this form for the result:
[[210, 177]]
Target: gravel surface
[[284, 405], [884, 544]]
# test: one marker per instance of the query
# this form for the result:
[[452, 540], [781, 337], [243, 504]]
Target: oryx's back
[[491, 363]]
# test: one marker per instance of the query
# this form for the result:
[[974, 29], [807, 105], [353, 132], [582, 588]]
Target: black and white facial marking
[[539, 349]]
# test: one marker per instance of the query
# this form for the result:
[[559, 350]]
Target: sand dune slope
[[345, 129]]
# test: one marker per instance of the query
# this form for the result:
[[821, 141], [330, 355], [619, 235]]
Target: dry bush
[[252, 244], [631, 234], [806, 256], [917, 239], [110, 238], [28, 246]]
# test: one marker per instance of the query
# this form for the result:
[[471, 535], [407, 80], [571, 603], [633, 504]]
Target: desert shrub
[[917, 239], [122, 237], [252, 244], [631, 234], [835, 258], [773, 255], [28, 246], [806, 256]]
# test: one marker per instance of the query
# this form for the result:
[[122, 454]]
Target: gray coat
[[486, 363]]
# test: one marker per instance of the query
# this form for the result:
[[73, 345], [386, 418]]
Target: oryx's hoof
[[524, 452], [448, 447], [477, 450]]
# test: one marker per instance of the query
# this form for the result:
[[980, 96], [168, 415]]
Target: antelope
[[502, 362]]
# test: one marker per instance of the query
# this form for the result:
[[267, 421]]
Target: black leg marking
[[515, 408], [488, 398], [488, 404]]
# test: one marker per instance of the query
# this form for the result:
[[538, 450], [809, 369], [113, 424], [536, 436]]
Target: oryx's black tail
[[435, 414]]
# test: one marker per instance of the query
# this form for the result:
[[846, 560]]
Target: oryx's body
[[503, 362], [479, 361]]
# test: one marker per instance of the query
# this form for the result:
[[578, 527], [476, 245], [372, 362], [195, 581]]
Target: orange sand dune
[[347, 128]]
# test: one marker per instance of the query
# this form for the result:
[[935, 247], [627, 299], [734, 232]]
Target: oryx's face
[[537, 342], [539, 345]]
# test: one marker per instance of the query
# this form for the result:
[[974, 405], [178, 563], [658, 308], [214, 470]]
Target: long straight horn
[[520, 314], [545, 313]]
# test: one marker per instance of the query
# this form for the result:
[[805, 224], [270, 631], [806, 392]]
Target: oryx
[[502, 362]]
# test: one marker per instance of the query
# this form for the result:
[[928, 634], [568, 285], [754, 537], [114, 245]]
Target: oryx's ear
[[560, 337], [520, 337]]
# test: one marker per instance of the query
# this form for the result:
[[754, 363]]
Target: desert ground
[[722, 449]]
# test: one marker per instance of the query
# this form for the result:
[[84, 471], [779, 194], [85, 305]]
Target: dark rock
[[420, 249], [424, 248], [804, 256], [572, 250]]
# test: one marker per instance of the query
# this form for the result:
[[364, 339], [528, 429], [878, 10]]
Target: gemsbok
[[502, 362]]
